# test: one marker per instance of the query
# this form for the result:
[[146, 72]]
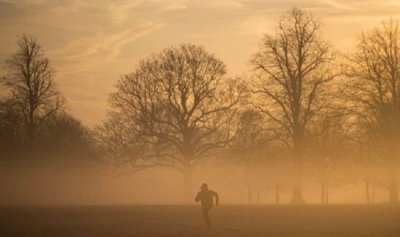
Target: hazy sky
[[91, 43]]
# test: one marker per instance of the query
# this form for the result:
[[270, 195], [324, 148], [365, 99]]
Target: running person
[[206, 197]]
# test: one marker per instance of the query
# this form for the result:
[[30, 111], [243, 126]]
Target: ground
[[152, 221]]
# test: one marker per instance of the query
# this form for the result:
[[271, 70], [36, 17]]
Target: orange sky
[[91, 43]]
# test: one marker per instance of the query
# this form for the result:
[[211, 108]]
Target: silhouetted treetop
[[31, 84]]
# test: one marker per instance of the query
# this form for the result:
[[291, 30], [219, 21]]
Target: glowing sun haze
[[91, 43]]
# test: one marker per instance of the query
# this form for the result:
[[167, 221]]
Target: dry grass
[[149, 221]]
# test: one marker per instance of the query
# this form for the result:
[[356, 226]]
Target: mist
[[99, 185]]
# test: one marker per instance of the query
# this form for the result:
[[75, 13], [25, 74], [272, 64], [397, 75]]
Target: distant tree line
[[303, 105]]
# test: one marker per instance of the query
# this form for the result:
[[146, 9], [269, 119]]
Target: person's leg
[[206, 217]]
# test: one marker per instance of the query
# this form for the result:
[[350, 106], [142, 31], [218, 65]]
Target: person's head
[[204, 186]]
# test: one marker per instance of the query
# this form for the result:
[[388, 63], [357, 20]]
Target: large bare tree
[[374, 71], [30, 82], [178, 105], [292, 68]]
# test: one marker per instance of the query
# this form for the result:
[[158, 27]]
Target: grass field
[[149, 221]]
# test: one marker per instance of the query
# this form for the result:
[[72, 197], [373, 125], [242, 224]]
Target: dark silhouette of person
[[206, 197]]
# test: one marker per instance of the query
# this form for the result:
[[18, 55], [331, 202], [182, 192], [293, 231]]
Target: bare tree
[[369, 159], [292, 68], [328, 147], [30, 82], [249, 145], [179, 102], [374, 71]]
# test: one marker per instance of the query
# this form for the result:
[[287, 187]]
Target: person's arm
[[197, 198], [216, 198]]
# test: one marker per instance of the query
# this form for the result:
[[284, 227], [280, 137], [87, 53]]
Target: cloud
[[174, 7], [91, 43]]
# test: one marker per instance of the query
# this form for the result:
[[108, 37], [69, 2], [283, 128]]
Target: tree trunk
[[326, 194], [393, 190], [31, 123], [373, 193], [249, 196], [392, 176], [187, 184], [277, 194], [297, 156], [297, 196], [322, 192]]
